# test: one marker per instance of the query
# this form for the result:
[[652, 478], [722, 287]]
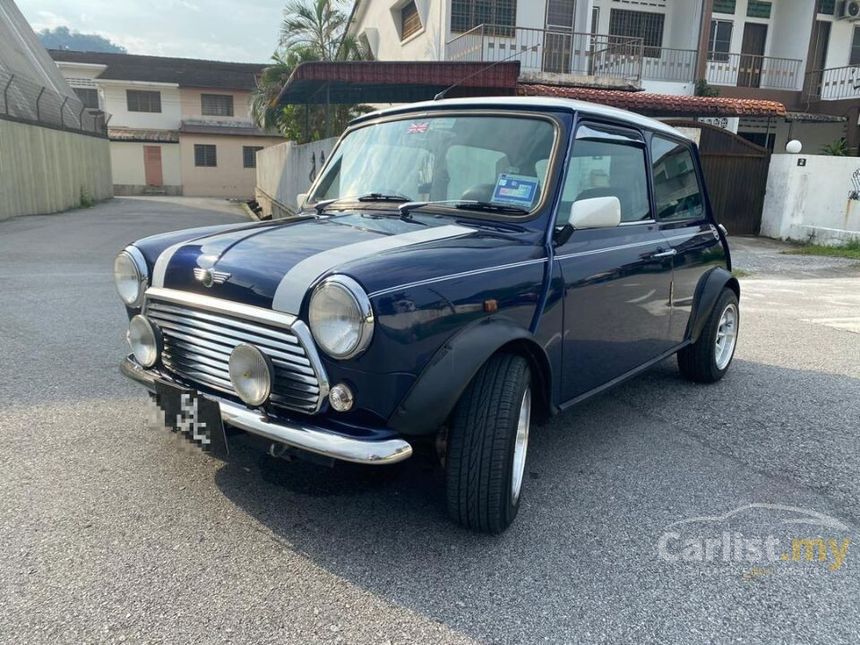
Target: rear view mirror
[[596, 212]]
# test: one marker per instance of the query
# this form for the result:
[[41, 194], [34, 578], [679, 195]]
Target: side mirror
[[596, 212], [301, 198]]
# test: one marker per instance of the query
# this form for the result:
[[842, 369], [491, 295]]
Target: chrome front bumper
[[305, 436]]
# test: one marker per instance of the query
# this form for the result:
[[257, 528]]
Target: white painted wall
[[284, 171], [812, 201], [115, 103]]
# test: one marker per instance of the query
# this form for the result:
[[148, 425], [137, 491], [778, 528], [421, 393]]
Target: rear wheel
[[708, 359], [487, 445]]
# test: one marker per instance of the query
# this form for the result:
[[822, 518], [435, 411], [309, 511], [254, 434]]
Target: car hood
[[275, 264]]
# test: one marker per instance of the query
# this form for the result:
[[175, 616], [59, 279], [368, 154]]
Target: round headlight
[[145, 340], [250, 374], [341, 317], [130, 276]]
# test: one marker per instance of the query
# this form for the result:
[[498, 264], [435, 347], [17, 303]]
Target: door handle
[[664, 254]]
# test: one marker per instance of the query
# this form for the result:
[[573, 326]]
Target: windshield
[[492, 159]]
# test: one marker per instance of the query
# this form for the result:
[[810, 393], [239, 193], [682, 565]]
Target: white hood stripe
[[163, 260], [292, 289]]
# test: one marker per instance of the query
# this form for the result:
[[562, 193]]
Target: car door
[[617, 280], [681, 210]]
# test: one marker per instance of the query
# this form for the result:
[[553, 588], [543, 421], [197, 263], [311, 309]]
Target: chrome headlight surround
[[130, 276], [340, 301]]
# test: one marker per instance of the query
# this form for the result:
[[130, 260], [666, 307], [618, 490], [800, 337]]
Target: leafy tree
[[63, 38], [312, 30]]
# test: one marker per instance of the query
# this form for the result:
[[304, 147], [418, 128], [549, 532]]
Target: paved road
[[111, 531]]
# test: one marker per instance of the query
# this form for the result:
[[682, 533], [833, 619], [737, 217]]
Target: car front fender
[[431, 399]]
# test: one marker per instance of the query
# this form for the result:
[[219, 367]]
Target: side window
[[677, 194], [608, 168]]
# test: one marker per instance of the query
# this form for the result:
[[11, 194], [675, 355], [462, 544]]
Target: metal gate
[[736, 174]]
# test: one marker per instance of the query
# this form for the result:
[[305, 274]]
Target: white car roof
[[538, 102]]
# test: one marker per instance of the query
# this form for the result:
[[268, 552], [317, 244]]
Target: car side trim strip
[[295, 284], [454, 276], [620, 247]]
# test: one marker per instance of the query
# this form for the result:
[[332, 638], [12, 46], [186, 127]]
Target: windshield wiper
[[462, 204]]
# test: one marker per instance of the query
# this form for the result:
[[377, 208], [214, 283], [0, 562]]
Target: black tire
[[698, 362], [481, 439]]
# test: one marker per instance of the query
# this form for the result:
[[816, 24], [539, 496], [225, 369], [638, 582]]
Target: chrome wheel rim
[[727, 336], [521, 444]]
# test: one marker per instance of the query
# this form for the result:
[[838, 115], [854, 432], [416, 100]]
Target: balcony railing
[[544, 51], [750, 70], [671, 65], [834, 84]]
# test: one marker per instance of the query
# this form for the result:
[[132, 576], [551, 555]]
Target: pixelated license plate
[[195, 416]]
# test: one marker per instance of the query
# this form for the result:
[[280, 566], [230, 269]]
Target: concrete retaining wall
[[285, 170], [43, 170], [812, 197]]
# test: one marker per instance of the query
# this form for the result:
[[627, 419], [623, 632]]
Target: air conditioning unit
[[849, 10]]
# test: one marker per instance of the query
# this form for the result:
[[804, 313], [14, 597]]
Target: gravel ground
[[113, 531]]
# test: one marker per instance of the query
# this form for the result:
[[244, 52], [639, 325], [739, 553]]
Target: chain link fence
[[23, 100]]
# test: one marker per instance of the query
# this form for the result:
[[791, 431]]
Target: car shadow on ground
[[603, 479]]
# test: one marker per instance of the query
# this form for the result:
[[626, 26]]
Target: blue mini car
[[459, 268]]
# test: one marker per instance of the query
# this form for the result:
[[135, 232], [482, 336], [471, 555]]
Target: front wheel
[[487, 443], [708, 359]]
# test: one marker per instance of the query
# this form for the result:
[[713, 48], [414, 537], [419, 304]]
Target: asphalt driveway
[[112, 530]]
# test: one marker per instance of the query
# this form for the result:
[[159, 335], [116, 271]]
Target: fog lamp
[[250, 374]]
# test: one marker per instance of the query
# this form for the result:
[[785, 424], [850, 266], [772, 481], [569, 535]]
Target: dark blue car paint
[[590, 312]]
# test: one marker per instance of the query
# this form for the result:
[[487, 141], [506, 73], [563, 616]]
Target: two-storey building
[[176, 126], [803, 53]]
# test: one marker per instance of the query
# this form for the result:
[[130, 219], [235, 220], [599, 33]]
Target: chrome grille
[[198, 340]]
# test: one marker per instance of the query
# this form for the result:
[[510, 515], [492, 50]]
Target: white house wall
[[129, 175], [115, 104]]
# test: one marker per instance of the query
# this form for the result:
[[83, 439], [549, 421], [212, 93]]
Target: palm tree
[[312, 30]]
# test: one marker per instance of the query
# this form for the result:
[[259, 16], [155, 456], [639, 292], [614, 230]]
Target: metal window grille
[[143, 100], [205, 155], [468, 14], [249, 156], [559, 13], [410, 21], [639, 24], [216, 104]]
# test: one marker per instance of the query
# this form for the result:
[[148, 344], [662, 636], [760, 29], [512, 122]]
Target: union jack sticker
[[418, 128]]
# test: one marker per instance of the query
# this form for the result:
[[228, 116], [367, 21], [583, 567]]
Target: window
[[249, 156], [204, 155], [88, 96], [639, 24], [720, 40], [758, 9], [467, 14], [676, 187], [724, 6], [826, 6], [559, 13], [608, 167], [143, 101], [410, 22], [216, 105], [855, 48]]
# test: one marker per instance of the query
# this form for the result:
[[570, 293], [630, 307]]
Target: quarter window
[[677, 194], [216, 105], [608, 168], [143, 101], [205, 155]]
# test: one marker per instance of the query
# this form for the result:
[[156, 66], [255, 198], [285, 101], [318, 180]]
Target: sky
[[228, 30]]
